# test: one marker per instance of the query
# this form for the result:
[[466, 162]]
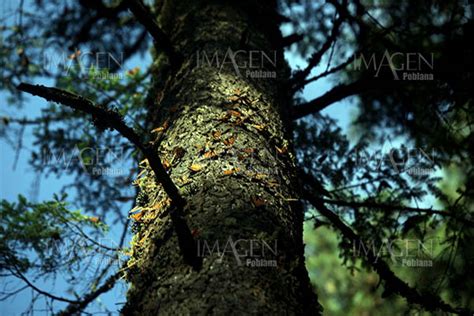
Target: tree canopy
[[387, 177]]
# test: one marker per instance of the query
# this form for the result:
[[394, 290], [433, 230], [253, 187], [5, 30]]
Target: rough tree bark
[[225, 139]]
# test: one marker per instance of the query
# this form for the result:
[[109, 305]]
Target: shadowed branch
[[390, 207], [106, 118], [74, 308], [291, 39], [392, 283], [161, 40], [16, 272], [298, 79], [337, 93]]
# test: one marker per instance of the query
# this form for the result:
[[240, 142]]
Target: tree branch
[[161, 40], [336, 94], [106, 118], [80, 305], [38, 290], [290, 40], [392, 283], [298, 79], [6, 295], [73, 309], [398, 207], [329, 71], [128, 51], [376, 37]]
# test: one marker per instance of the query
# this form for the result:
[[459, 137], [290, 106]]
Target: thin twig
[[316, 57], [330, 71], [78, 306], [38, 290], [161, 40]]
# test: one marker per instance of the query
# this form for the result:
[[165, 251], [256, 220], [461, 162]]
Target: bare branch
[[107, 118], [329, 71], [336, 94], [299, 77], [379, 36], [161, 40], [78, 306], [6, 295], [24, 121], [20, 275], [391, 207]]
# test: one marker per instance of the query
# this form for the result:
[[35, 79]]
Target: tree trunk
[[225, 139]]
